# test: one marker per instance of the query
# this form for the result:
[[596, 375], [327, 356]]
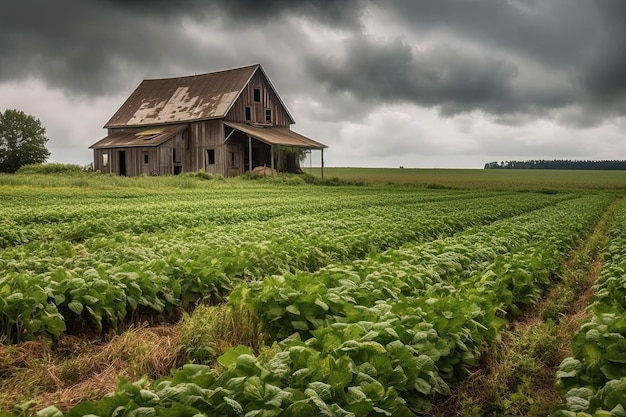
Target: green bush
[[52, 168]]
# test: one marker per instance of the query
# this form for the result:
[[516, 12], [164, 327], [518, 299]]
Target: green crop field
[[502, 179], [377, 292]]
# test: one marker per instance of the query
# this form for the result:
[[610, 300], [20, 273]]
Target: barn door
[[122, 163]]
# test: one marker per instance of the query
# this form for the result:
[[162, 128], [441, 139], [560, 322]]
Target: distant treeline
[[557, 164]]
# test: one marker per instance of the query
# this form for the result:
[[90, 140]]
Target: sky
[[383, 83]]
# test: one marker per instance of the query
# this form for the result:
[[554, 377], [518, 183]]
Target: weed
[[207, 332]]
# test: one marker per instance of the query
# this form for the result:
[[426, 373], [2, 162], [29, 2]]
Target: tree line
[[558, 164]]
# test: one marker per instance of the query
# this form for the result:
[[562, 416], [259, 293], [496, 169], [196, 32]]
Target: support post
[[322, 163], [249, 153]]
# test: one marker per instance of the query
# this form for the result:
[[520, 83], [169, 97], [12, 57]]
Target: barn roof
[[277, 135], [148, 137], [184, 99]]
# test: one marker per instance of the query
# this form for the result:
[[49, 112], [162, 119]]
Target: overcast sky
[[384, 83]]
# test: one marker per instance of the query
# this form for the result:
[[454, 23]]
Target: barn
[[226, 122]]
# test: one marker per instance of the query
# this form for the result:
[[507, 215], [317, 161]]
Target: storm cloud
[[342, 63]]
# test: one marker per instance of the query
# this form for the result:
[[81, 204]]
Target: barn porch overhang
[[273, 136]]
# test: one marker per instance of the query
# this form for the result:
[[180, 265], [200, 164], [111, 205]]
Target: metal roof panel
[[148, 137], [183, 99]]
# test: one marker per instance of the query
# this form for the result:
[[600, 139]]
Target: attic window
[[257, 95]]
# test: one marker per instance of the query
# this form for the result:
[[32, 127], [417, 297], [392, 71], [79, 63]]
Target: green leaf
[[321, 304], [229, 357], [421, 385], [321, 389], [293, 309], [50, 411], [591, 353], [75, 307], [254, 388], [300, 325], [577, 404], [234, 405], [300, 408], [616, 352], [144, 412]]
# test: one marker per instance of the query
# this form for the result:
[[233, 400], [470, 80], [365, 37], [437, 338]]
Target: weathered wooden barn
[[226, 122]]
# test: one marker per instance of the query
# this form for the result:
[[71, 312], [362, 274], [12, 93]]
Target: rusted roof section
[[277, 135], [183, 99], [148, 137]]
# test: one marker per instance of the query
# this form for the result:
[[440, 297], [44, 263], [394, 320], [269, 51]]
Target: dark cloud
[[443, 76], [82, 47], [516, 59], [604, 73], [333, 12], [105, 46], [550, 31]]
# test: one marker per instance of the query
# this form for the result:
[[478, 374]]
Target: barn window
[[248, 114], [268, 116], [105, 159], [210, 156], [257, 95]]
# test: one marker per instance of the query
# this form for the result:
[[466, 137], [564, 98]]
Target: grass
[[477, 179], [210, 330], [71, 370]]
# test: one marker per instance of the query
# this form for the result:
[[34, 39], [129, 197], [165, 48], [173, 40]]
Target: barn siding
[[134, 161], [269, 100], [205, 135]]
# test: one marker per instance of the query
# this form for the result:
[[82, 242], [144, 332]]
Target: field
[[504, 179], [374, 292]]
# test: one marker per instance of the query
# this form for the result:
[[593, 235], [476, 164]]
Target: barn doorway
[[122, 163]]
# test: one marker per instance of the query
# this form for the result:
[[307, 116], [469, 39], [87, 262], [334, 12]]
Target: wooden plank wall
[[205, 135], [269, 100], [134, 158]]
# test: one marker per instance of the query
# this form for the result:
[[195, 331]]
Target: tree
[[22, 140]]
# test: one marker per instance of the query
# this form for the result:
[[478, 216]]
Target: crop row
[[306, 300], [105, 280], [384, 358], [594, 379], [31, 218]]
